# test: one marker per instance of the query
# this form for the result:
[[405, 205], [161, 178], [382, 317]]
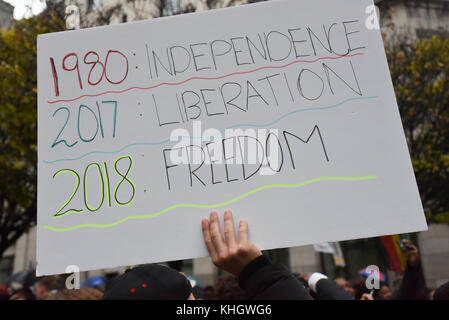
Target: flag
[[395, 255]]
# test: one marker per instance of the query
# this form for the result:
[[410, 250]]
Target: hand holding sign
[[228, 253]]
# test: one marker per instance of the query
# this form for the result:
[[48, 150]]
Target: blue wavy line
[[231, 127]]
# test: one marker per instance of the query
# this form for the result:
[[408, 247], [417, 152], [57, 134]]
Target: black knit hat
[[149, 282]]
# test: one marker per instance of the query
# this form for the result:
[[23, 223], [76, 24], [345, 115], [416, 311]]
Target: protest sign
[[282, 111]]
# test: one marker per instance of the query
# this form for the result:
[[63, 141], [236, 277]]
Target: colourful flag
[[396, 257]]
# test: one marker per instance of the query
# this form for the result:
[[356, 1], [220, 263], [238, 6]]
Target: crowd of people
[[248, 275]]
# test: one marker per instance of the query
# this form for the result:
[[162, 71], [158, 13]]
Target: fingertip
[[228, 214], [213, 215]]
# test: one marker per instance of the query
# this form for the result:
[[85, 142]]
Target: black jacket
[[263, 280], [329, 290]]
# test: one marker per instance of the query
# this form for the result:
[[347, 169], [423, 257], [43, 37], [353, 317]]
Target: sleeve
[[314, 278], [329, 290], [263, 280], [413, 285]]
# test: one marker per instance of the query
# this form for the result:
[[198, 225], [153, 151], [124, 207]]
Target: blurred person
[[324, 288], [382, 293], [345, 285], [360, 289], [84, 293], [413, 285], [303, 280], [198, 292], [150, 282], [442, 292], [227, 288], [367, 296], [48, 285], [260, 278], [23, 294], [255, 273], [21, 279], [208, 293]]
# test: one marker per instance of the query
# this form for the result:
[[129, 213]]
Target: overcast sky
[[21, 10]]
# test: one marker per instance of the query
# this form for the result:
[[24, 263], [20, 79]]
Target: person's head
[[84, 293], [442, 293], [345, 285], [150, 282], [227, 288], [208, 293], [44, 285]]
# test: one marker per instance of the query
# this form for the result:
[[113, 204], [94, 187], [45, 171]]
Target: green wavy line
[[209, 206]]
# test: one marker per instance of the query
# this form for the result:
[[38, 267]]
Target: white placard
[[302, 84]]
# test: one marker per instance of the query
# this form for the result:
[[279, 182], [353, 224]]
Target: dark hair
[[208, 293], [52, 282], [85, 293], [442, 293], [227, 288]]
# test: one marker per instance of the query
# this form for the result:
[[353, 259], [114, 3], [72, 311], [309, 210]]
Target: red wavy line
[[200, 78]]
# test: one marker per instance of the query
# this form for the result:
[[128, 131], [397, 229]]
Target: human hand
[[411, 255], [228, 253], [366, 296], [305, 277]]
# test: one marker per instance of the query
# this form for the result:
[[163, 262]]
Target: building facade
[[100, 12], [414, 18], [6, 14]]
